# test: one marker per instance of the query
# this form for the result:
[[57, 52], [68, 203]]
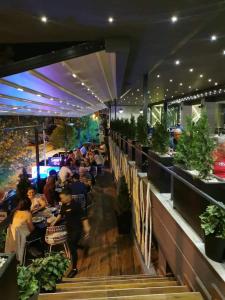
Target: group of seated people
[[65, 185]]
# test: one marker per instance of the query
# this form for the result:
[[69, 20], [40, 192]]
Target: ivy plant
[[213, 221]]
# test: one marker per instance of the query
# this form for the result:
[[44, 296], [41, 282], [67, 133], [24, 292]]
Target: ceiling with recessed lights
[[180, 44], [71, 88]]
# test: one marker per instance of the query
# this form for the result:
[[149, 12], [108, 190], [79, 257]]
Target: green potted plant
[[49, 270], [27, 283], [159, 151], [2, 240], [132, 138], [123, 208], [194, 163], [142, 144], [213, 225]]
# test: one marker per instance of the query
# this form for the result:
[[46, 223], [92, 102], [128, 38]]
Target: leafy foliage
[[213, 221], [195, 147], [123, 199], [160, 138], [64, 136], [121, 126], [184, 155], [49, 270], [132, 128], [142, 130], [14, 153], [27, 282], [203, 147]]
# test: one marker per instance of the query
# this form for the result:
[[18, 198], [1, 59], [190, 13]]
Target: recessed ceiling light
[[171, 80], [189, 87], [60, 101], [201, 75], [15, 107], [20, 89], [82, 83], [181, 84], [38, 95], [216, 83], [177, 62], [44, 19], [157, 87], [158, 76], [74, 75], [174, 19], [51, 98], [223, 52], [110, 20], [213, 38], [209, 80], [191, 70]]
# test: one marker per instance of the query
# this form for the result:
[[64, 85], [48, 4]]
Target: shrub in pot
[[213, 225], [160, 152], [123, 208], [49, 270], [27, 283], [142, 137], [193, 159]]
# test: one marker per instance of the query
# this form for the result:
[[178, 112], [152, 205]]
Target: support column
[[145, 95], [37, 157]]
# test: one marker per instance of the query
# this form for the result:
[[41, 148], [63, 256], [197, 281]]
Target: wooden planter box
[[8, 278], [157, 175], [141, 159], [131, 150], [189, 203]]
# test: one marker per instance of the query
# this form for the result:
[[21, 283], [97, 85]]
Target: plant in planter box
[[160, 139], [213, 225], [27, 283], [2, 240], [194, 159], [142, 130], [159, 152], [49, 270], [132, 128], [123, 208]]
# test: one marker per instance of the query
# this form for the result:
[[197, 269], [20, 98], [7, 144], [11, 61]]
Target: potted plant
[[27, 283], [213, 225], [193, 159], [49, 270], [2, 240], [142, 145], [160, 152], [125, 134], [123, 208], [132, 138]]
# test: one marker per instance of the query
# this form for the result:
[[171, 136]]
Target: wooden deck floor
[[110, 254]]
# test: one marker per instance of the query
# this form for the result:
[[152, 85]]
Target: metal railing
[[175, 175]]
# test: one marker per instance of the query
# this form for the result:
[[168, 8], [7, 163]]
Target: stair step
[[115, 280], [113, 286], [122, 277], [112, 293], [173, 296]]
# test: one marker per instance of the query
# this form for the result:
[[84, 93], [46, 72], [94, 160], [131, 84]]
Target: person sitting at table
[[49, 191], [38, 202], [76, 223], [65, 173], [19, 230]]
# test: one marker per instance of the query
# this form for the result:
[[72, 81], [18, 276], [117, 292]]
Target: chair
[[27, 245], [57, 235]]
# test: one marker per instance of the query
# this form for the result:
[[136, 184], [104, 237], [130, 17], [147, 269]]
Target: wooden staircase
[[128, 287]]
